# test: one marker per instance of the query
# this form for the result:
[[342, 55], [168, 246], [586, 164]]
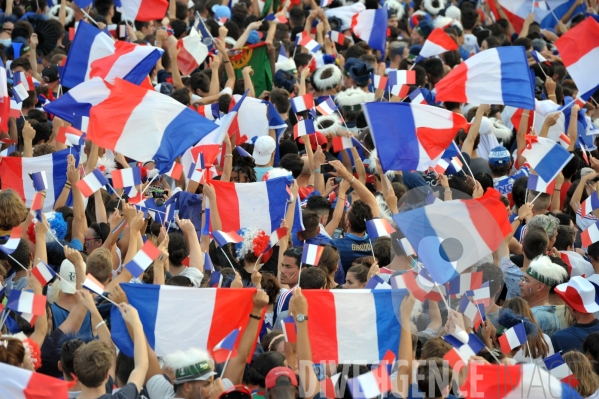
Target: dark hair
[[42, 132], [590, 347], [101, 230], [494, 276], [360, 271], [261, 365], [280, 99], [20, 62], [103, 6], [382, 250], [535, 242], [311, 226], [318, 204], [246, 166], [22, 255], [67, 355], [436, 376], [179, 28], [295, 252], [484, 179], [313, 278], [469, 18], [182, 95], [271, 286], [593, 251], [519, 191], [199, 80], [124, 367], [296, 16], [179, 281], [21, 29], [358, 214], [565, 238], [178, 248], [572, 167], [302, 59], [293, 163]]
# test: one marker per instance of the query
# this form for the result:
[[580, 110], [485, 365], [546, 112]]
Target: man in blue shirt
[[355, 243]]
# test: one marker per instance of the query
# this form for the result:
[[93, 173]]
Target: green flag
[[255, 56]]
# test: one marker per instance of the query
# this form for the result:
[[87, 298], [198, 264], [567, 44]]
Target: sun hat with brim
[[194, 372], [580, 294]]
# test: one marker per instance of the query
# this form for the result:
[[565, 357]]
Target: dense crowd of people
[[539, 275]]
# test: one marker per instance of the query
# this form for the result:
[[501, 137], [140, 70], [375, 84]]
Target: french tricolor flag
[[342, 143], [379, 82], [545, 156], [557, 367], [464, 282], [289, 329], [328, 386], [275, 237], [438, 42], [19, 93], [513, 338], [93, 285], [481, 295], [371, 26], [416, 97], [13, 241], [418, 121], [337, 37], [420, 287], [226, 347], [169, 127], [5, 100], [36, 206], [223, 238], [302, 103], [43, 273], [275, 17], [175, 171], [537, 184], [79, 100], [581, 56], [304, 39], [465, 345], [327, 107], [372, 384], [143, 10], [577, 265], [378, 228], [142, 259], [19, 383], [303, 127], [537, 56], [92, 183], [311, 254], [94, 50], [590, 235], [15, 173], [128, 177], [210, 111], [192, 52], [494, 76], [470, 310], [401, 77], [70, 136], [21, 78], [40, 181], [26, 302]]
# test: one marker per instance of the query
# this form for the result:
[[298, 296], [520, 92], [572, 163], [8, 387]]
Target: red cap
[[237, 388], [274, 374], [322, 140]]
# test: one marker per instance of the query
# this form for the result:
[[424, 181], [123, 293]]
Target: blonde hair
[[12, 210], [535, 344], [588, 381], [99, 264]]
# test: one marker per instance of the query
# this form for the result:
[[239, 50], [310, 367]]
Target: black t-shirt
[[51, 354], [129, 391]]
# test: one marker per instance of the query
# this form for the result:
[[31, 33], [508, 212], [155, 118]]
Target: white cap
[[454, 13], [68, 277], [263, 149]]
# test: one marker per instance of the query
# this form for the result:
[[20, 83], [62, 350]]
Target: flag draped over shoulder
[[255, 56]]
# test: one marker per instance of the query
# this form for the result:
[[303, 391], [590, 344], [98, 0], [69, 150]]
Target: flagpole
[[465, 163], [3, 317], [538, 195], [88, 16], [225, 366], [229, 260], [299, 276]]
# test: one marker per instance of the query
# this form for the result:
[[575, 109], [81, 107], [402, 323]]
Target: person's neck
[[400, 263], [492, 308], [525, 264], [595, 265], [66, 301], [496, 176], [74, 388], [540, 300], [303, 180], [585, 318], [474, 154], [535, 212], [350, 231], [394, 64], [284, 116], [92, 393], [330, 92], [176, 270]]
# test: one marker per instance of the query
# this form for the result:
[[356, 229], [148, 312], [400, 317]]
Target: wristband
[[352, 181], [255, 317], [316, 171], [100, 324]]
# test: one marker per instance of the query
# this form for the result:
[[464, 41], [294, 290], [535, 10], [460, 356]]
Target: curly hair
[[12, 210]]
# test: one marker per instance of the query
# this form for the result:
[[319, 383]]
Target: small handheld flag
[[92, 183], [70, 136], [303, 127], [337, 37], [43, 273], [13, 241], [557, 367], [302, 103], [223, 238], [226, 347], [142, 259], [26, 302], [327, 107], [20, 93], [513, 338], [40, 182], [289, 329], [128, 177], [242, 152], [311, 254], [378, 227], [93, 285], [175, 171]]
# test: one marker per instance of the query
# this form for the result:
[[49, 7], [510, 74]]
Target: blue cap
[[254, 37], [499, 156], [221, 11]]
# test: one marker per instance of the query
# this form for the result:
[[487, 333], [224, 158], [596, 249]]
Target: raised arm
[[402, 382], [140, 348], [339, 208], [468, 145], [520, 138], [195, 251], [214, 215], [298, 305], [40, 327], [361, 190], [228, 166], [550, 120], [573, 127], [79, 225]]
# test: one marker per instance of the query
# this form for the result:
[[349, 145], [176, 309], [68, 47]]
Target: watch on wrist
[[301, 317]]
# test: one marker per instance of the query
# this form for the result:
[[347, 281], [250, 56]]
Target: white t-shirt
[[159, 388], [520, 358]]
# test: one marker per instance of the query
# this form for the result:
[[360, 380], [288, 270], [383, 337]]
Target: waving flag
[[378, 228], [537, 184], [425, 133], [371, 26], [400, 78], [558, 368], [169, 127], [289, 329], [36, 206], [465, 282], [545, 156], [327, 387], [175, 171], [577, 265], [223, 238], [465, 345], [27, 302], [70, 136], [343, 317], [416, 97], [275, 237], [192, 52], [121, 60], [494, 76], [372, 384], [5, 100], [40, 182], [512, 338], [160, 307], [420, 287], [444, 227], [79, 100], [311, 254], [279, 18], [43, 273], [537, 56], [143, 10], [481, 295], [590, 235], [13, 241], [21, 78], [343, 143], [379, 82], [15, 173], [19, 383], [304, 39], [377, 283], [128, 177], [580, 56], [19, 93], [337, 37], [327, 107], [226, 347], [303, 127], [283, 56], [92, 183], [302, 103], [210, 111], [142, 259], [470, 310], [438, 42], [93, 285]]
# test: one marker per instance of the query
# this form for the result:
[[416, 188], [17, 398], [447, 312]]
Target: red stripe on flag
[[322, 326], [454, 88], [571, 48], [228, 205], [12, 175]]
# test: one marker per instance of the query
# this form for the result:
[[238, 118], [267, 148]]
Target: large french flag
[[452, 236], [79, 100], [19, 383], [15, 173], [581, 57], [546, 157], [494, 76], [143, 10], [258, 205], [371, 26], [4, 99], [192, 52], [146, 125], [425, 132], [518, 10], [128, 61], [353, 326], [171, 325]]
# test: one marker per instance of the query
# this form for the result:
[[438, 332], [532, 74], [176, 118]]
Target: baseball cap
[[68, 277], [254, 37], [221, 11], [236, 392], [585, 171], [50, 73], [499, 156], [321, 138], [274, 378], [194, 372], [263, 149]]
